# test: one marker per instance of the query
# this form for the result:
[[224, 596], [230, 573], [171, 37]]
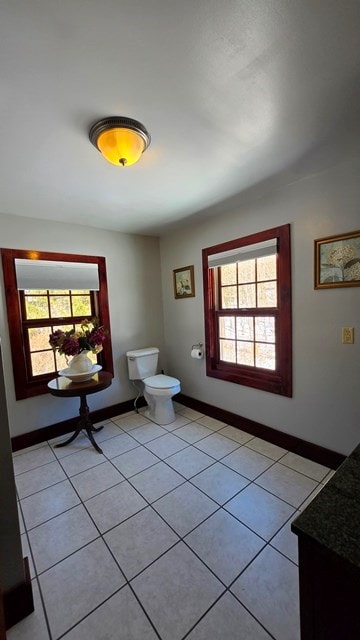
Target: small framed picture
[[184, 285], [337, 261]]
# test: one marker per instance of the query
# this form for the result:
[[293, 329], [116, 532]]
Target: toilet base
[[162, 413]]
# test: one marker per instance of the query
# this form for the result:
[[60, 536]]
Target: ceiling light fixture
[[121, 140]]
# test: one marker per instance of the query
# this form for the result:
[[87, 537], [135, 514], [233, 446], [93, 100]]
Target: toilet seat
[[161, 381]]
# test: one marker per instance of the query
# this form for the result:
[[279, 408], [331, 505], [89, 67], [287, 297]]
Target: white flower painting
[[337, 261]]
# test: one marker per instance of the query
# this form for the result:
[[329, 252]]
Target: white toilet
[[158, 388]]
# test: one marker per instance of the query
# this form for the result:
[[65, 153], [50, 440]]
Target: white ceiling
[[236, 94]]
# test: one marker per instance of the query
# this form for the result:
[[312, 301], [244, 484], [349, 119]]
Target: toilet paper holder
[[197, 351]]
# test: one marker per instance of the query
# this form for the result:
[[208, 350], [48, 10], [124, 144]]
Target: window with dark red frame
[[247, 302], [35, 313], [46, 311]]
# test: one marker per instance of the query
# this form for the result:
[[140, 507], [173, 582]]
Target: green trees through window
[[45, 311]]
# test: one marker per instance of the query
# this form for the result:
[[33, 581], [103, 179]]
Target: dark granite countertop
[[332, 519]]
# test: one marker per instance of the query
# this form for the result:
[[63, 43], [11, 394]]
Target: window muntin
[[247, 298], [45, 311], [243, 339]]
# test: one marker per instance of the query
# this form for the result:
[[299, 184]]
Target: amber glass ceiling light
[[120, 140]]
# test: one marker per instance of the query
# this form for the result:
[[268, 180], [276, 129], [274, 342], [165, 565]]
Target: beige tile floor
[[174, 532]]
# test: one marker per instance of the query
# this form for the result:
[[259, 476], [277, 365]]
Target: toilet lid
[[161, 382]]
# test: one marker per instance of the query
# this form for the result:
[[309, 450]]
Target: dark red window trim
[[25, 387], [280, 380]]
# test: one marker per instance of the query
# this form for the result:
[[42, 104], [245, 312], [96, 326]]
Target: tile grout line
[[127, 582], [109, 549], [36, 577], [185, 480], [180, 539], [101, 537]]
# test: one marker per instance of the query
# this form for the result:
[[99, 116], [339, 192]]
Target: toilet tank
[[142, 363]]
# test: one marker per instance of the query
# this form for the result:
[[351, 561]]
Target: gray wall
[[325, 408], [134, 284]]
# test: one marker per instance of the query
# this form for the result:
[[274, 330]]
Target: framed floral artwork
[[184, 285], [337, 261]]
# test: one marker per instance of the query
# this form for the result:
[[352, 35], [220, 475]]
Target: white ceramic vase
[[80, 363]]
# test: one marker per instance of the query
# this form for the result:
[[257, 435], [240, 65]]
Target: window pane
[[227, 350], [60, 306], [228, 274], [245, 328], [39, 338], [267, 294], [247, 296], [61, 362], [246, 271], [266, 268], [81, 306], [42, 362], [265, 329], [92, 357], [227, 327], [62, 327], [29, 292], [245, 353], [57, 292], [228, 298], [265, 355], [36, 307]]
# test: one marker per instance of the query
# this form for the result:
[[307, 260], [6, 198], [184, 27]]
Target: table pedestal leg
[[84, 423]]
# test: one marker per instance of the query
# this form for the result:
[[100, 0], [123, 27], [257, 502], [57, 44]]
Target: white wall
[[325, 408], [134, 285]]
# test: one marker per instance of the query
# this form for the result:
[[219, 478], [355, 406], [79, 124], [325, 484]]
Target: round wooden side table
[[64, 388]]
